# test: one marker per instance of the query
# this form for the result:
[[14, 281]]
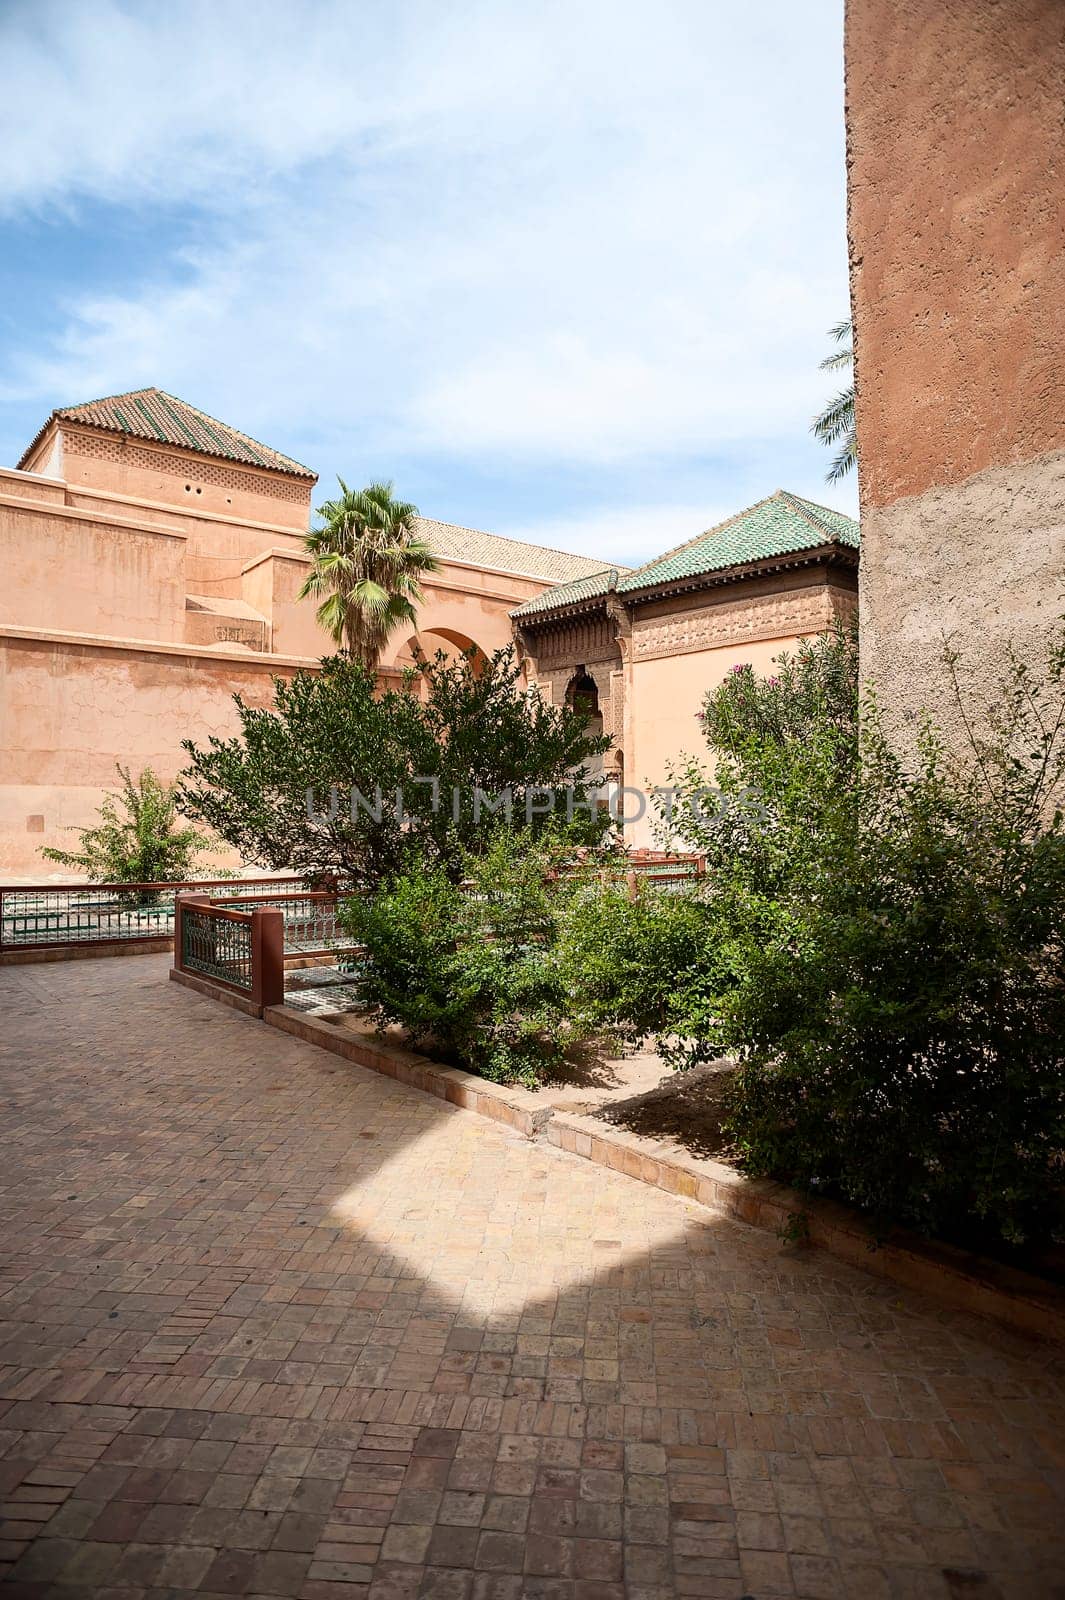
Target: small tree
[[311, 785], [367, 560], [474, 971], [782, 746], [137, 839]]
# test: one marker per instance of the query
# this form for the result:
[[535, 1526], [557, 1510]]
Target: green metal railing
[[218, 947], [242, 950], [310, 920], [56, 916]]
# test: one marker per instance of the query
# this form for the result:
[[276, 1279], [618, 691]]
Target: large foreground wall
[[957, 237]]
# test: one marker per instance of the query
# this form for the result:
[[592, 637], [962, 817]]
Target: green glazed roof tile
[[163, 418], [564, 594], [783, 524]]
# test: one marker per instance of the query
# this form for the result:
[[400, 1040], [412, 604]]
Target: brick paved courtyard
[[273, 1325]]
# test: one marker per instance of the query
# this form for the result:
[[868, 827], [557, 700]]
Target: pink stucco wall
[[74, 707], [131, 612]]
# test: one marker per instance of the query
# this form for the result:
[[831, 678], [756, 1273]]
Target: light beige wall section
[[667, 694], [74, 706], [681, 649], [980, 564]]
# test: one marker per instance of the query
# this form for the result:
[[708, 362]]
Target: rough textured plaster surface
[[982, 564], [956, 157]]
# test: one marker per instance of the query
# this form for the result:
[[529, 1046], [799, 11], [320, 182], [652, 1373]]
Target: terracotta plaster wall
[[218, 547], [465, 603], [72, 709], [271, 584], [90, 458], [955, 115], [681, 649], [79, 572]]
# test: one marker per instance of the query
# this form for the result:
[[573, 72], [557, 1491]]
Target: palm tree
[[367, 558], [836, 421]]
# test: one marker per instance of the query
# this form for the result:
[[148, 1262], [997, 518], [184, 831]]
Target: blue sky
[[562, 271]]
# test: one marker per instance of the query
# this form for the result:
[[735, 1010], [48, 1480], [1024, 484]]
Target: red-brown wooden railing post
[[180, 902], [268, 956]]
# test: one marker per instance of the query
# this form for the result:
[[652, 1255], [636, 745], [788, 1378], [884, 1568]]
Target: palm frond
[[845, 459], [836, 419], [367, 556]]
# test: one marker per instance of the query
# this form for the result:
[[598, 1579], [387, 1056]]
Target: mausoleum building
[[153, 557]]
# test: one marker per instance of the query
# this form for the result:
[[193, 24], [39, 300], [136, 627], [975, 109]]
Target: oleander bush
[[894, 992]]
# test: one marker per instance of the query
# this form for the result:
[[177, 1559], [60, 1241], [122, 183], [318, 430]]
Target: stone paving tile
[[271, 1325]]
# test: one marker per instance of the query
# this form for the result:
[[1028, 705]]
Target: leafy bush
[[472, 969], [641, 964], [895, 992], [309, 785], [781, 747], [137, 839]]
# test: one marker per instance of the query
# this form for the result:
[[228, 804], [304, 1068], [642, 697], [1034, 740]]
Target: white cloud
[[582, 232]]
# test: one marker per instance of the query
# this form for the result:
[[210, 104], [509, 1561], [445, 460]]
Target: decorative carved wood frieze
[[581, 640], [732, 622]]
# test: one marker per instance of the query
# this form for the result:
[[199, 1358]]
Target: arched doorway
[[582, 694]]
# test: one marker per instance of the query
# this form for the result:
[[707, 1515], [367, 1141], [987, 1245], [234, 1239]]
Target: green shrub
[[472, 970], [641, 964], [309, 785], [895, 989], [137, 839]]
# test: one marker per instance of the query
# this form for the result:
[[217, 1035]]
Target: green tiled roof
[[163, 418], [781, 525], [565, 594]]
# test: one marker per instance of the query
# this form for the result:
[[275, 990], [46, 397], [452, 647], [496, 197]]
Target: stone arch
[[427, 642]]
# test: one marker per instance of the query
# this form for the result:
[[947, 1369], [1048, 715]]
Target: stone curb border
[[215, 991], [965, 1282], [27, 955]]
